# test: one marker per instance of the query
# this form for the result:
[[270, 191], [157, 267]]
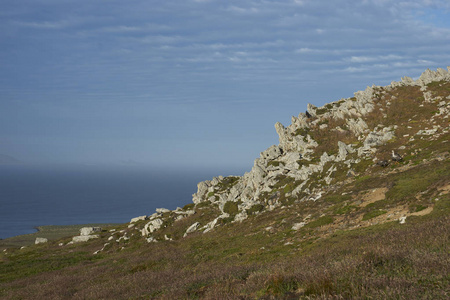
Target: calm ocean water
[[34, 196]]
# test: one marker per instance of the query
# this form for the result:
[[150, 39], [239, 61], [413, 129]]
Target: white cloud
[[364, 59], [45, 24], [242, 10]]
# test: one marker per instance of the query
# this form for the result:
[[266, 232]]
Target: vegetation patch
[[231, 208], [372, 214], [275, 163], [227, 183], [203, 204], [325, 220], [189, 206], [255, 209]]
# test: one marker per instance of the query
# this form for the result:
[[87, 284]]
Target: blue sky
[[194, 82]]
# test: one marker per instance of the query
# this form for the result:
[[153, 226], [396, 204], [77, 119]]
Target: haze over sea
[[32, 196]]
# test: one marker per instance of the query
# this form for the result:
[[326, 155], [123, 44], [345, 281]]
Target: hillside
[[353, 203]]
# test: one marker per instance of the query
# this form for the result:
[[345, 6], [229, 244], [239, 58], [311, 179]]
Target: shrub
[[231, 208], [255, 209]]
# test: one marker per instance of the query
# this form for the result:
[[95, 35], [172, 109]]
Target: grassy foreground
[[385, 261]]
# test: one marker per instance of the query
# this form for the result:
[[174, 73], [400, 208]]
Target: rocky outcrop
[[309, 156]]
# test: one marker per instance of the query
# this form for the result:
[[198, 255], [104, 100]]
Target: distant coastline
[[51, 232]]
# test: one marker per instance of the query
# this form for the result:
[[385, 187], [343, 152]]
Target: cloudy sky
[[188, 83]]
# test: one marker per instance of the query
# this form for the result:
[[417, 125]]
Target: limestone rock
[[357, 126], [89, 230], [134, 220], [344, 150], [311, 110], [83, 238], [297, 226], [192, 228], [40, 240], [152, 226]]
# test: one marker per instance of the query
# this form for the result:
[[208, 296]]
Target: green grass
[[372, 214], [51, 232], [325, 220]]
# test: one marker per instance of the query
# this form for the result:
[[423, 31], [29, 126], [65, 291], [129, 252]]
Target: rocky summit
[[353, 203]]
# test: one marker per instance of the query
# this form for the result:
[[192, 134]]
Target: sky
[[194, 83]]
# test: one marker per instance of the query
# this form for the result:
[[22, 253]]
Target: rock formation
[[304, 165]]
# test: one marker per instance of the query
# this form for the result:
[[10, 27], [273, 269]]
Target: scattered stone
[[297, 226]]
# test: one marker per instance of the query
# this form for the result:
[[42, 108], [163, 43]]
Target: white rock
[[192, 228], [152, 226], [84, 238], [138, 219], [402, 220], [151, 240], [162, 210], [40, 240], [89, 230], [297, 226]]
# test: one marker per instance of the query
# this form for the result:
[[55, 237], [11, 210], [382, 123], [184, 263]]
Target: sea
[[32, 196]]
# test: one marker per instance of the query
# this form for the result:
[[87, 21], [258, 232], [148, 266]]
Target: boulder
[[83, 238], [297, 226], [192, 228], [152, 226], [89, 230], [138, 219], [40, 240]]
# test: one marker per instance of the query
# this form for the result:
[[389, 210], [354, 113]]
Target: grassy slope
[[251, 260], [352, 246]]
